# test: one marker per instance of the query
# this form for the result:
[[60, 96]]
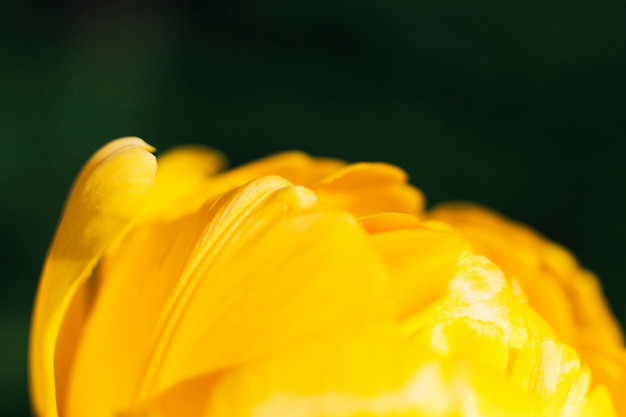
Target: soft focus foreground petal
[[259, 269], [107, 196], [479, 292], [569, 298], [297, 167], [362, 374], [369, 188], [463, 338], [553, 374], [421, 260], [598, 404], [361, 360], [181, 172]]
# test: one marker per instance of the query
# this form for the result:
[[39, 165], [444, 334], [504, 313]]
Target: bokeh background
[[518, 107]]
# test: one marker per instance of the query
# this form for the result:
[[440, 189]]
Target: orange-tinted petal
[[609, 369]]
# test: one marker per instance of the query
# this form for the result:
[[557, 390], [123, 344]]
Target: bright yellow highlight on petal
[[307, 287]]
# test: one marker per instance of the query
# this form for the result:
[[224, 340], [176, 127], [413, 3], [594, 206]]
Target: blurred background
[[520, 108]]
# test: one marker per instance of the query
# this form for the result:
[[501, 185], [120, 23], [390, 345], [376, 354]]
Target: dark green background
[[520, 108]]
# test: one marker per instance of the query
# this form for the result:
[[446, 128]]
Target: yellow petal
[[363, 375], [460, 388], [537, 326], [297, 167], [181, 173], [597, 326], [386, 222], [259, 269], [105, 199], [568, 297], [369, 188], [553, 374], [421, 261], [335, 375], [598, 404], [69, 333], [479, 342], [609, 369], [479, 292]]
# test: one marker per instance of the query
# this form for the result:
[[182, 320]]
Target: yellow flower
[[298, 286]]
